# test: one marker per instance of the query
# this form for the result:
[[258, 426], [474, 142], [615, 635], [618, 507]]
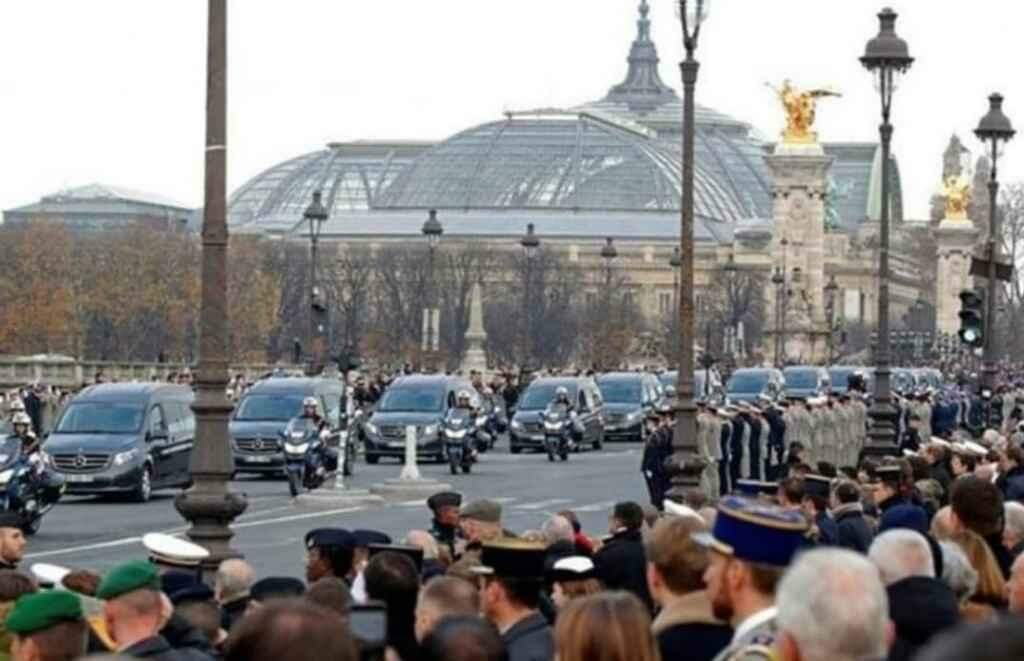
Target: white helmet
[[464, 395], [17, 404], [309, 401], [21, 419]]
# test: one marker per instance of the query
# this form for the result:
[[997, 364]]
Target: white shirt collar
[[753, 621]]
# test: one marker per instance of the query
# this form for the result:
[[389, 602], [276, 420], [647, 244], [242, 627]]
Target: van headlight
[[372, 428], [299, 448], [6, 476], [430, 430], [515, 424], [122, 458], [633, 416]]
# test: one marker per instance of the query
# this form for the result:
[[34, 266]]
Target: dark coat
[[919, 608], [159, 649], [941, 475], [181, 635], [687, 629], [232, 612], [622, 565], [854, 530], [1012, 483], [828, 529], [1003, 556], [530, 639]]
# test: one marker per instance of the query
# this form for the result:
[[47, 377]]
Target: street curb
[[399, 489], [330, 498]]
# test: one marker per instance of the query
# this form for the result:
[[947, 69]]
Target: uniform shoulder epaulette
[[754, 653]]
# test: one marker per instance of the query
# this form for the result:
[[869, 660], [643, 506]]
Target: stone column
[[799, 182], [476, 357], [956, 240]]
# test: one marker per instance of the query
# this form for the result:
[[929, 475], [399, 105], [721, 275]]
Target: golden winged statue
[[957, 191], [800, 107]]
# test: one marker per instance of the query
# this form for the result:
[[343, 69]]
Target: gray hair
[[900, 554], [1013, 515], [558, 529], [425, 541], [833, 605], [233, 580], [957, 571]]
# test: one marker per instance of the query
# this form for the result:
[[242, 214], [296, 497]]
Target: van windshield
[[411, 400], [269, 408], [801, 378], [620, 392], [749, 382], [101, 418], [538, 396]]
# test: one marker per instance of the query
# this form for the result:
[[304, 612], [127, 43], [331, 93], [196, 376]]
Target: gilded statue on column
[[800, 107], [957, 190]]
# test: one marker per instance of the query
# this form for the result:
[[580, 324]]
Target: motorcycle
[[458, 429], [558, 432], [307, 459], [26, 487]]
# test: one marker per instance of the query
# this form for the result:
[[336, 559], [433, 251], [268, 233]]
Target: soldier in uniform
[[444, 526], [737, 444], [724, 448], [775, 417], [751, 545], [707, 440], [813, 419]]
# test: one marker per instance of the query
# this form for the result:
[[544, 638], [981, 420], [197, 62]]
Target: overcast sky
[[112, 91]]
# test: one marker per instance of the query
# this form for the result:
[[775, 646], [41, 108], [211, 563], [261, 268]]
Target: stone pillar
[[476, 358], [799, 183], [956, 240]]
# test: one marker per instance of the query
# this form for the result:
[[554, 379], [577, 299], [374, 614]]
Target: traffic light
[[972, 321]]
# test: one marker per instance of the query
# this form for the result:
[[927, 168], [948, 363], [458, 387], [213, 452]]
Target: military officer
[[444, 526], [707, 441], [724, 448], [751, 545]]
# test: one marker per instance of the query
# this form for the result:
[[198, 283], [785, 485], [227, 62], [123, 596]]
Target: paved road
[[91, 533]]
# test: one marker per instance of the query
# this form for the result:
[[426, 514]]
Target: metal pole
[[778, 323], [988, 374], [430, 308], [528, 337], [209, 505], [314, 355], [686, 461]]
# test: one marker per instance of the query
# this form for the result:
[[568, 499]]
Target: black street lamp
[[209, 505], [686, 464], [887, 58], [830, 315], [994, 129], [779, 281], [531, 245], [608, 254], [432, 230], [730, 303], [676, 263], [315, 215]]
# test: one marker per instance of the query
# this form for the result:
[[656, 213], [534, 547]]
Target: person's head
[[291, 629], [47, 626], [204, 615], [14, 584], [962, 464], [1000, 639], [393, 579], [424, 541], [791, 492], [82, 581], [12, 544], [832, 607], [572, 577], [675, 562], [233, 580], [610, 626], [330, 552], [942, 523], [480, 521], [445, 506], [901, 553], [464, 638], [1015, 586], [309, 407], [957, 572], [443, 597], [562, 395], [136, 615], [557, 529], [977, 505], [330, 593], [991, 586], [626, 516], [1013, 524], [274, 588], [571, 517], [845, 493]]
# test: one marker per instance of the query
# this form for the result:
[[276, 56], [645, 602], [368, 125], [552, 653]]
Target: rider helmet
[[463, 396], [21, 419], [562, 393], [17, 404], [310, 403]]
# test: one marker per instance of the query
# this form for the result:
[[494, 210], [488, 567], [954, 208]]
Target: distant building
[[99, 207]]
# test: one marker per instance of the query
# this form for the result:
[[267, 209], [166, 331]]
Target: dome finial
[[643, 89]]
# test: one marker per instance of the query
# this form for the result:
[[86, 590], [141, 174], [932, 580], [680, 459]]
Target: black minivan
[[267, 408], [526, 432], [124, 438], [628, 398]]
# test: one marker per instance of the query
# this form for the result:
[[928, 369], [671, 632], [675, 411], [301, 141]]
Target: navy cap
[[817, 485], [889, 474], [277, 587], [444, 499], [175, 580], [754, 532], [368, 537], [330, 537], [197, 592]]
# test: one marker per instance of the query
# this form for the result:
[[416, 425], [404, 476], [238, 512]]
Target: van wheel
[[144, 489], [515, 449], [372, 458]]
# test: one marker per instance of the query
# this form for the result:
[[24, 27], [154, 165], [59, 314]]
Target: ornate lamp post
[[731, 296], [994, 128], [208, 504], [608, 254], [315, 215], [830, 315], [886, 57], [433, 230], [686, 462], [531, 244], [675, 263]]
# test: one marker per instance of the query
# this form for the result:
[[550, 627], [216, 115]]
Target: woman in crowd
[[571, 578], [608, 626], [989, 596]]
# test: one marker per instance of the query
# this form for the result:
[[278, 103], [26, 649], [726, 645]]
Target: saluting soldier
[[751, 545]]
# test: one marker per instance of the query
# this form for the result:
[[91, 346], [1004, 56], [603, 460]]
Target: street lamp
[[209, 505], [315, 215], [994, 128], [779, 281], [676, 263], [887, 57], [608, 254], [731, 295], [531, 244], [686, 463], [830, 314], [432, 230]]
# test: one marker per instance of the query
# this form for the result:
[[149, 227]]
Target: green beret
[[128, 577], [42, 610]]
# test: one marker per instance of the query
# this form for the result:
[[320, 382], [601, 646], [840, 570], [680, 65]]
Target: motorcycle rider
[[311, 410], [49, 482]]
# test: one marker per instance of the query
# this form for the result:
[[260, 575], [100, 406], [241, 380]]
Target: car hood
[[622, 408], [256, 428], [743, 396], [88, 443], [404, 418], [801, 392]]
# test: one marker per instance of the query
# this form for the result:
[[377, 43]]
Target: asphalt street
[[92, 533]]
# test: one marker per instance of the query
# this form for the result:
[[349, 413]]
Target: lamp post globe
[[530, 241]]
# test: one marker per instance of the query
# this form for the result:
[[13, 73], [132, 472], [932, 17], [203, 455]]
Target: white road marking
[[595, 507], [124, 541], [541, 504]]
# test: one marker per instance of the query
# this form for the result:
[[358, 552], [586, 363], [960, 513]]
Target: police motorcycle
[[559, 421], [492, 421], [307, 458], [27, 488], [459, 430]]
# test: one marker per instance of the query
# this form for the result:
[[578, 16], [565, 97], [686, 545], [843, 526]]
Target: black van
[[526, 432], [124, 438], [268, 406], [420, 401]]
